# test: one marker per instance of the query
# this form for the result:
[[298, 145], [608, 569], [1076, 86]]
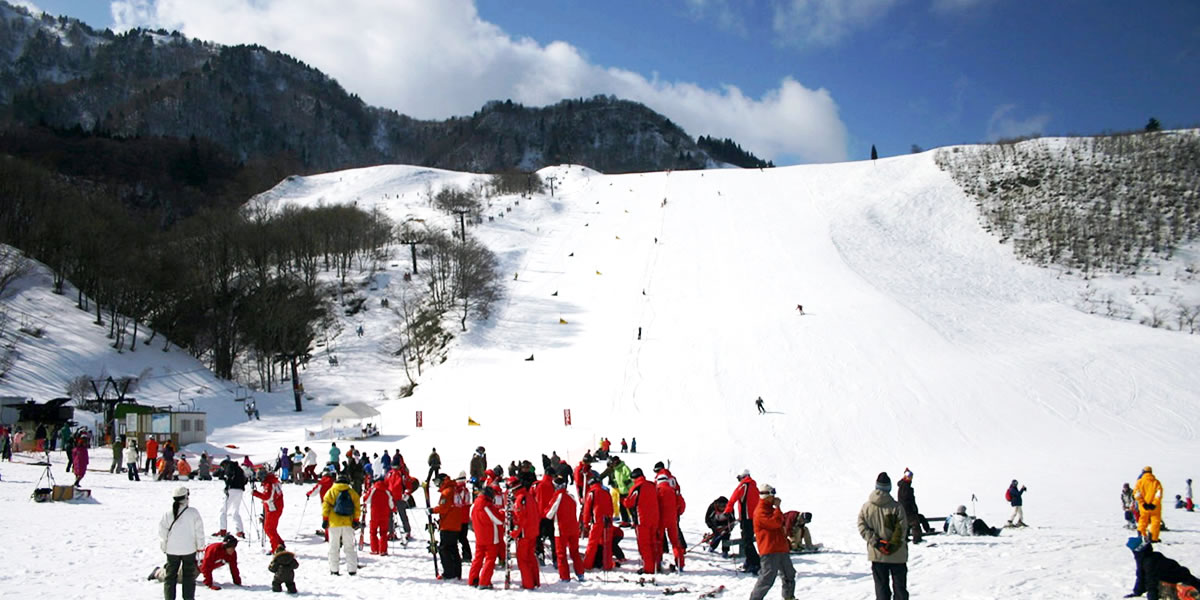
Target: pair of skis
[[508, 528], [432, 530]]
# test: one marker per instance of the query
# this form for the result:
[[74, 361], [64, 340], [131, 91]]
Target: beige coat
[[882, 518]]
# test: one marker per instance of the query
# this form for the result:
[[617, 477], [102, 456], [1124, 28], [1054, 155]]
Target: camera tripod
[[46, 474]]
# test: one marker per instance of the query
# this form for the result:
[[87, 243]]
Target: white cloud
[[433, 60], [956, 6], [1003, 124], [725, 14], [27, 5], [824, 22]]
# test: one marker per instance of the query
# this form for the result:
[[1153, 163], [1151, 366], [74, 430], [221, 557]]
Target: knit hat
[[883, 483], [462, 476], [1137, 544], [907, 474]]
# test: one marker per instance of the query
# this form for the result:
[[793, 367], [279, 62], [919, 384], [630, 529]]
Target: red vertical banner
[[567, 417], [420, 419]]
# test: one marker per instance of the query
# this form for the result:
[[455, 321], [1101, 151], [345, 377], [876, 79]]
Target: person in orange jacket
[[271, 495], [449, 527], [218, 554], [561, 510], [489, 538], [773, 547], [183, 469], [527, 521], [151, 456], [1148, 492], [381, 504], [643, 503]]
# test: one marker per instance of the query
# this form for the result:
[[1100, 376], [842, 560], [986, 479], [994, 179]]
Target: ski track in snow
[[925, 345]]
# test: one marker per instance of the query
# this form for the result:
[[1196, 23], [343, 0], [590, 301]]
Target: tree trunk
[[295, 384]]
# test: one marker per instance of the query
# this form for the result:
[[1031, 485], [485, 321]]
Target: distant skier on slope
[[759, 403]]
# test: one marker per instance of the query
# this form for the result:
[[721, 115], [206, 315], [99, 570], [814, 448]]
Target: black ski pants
[[448, 550], [175, 564], [749, 550], [898, 572]]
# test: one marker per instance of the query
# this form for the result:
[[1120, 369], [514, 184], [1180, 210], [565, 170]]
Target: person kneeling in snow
[[961, 524], [218, 554], [1154, 569]]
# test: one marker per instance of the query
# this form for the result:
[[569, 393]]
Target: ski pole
[[302, 511], [973, 512]]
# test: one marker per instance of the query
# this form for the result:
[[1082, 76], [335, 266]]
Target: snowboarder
[[1148, 492], [961, 524], [1013, 495], [217, 555], [759, 403], [235, 486], [773, 546], [181, 536], [745, 498], [271, 495], [795, 524], [340, 511], [881, 522], [800, 308], [283, 565], [1152, 569]]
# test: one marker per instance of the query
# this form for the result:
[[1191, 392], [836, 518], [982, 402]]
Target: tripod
[[47, 476]]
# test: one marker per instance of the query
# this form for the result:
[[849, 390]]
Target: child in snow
[[218, 554], [283, 565], [1154, 570]]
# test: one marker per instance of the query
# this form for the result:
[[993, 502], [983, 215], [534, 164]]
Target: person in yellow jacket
[[341, 510], [1149, 494]]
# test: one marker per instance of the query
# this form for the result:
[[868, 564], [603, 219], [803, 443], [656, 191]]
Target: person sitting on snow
[[796, 525], [961, 524], [1153, 570]]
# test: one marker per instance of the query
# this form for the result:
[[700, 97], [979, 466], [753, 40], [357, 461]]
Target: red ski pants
[[527, 562], [670, 531], [648, 547], [379, 535], [597, 542], [484, 563], [271, 528], [565, 545]]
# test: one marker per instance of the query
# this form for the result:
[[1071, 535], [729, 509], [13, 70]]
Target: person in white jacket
[[181, 536], [130, 456], [310, 464]]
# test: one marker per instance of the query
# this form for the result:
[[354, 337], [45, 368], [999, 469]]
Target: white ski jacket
[[310, 459], [130, 455], [959, 525], [182, 536]]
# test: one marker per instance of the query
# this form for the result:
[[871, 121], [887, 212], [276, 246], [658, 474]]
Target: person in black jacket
[[908, 500], [235, 487], [1153, 569], [721, 523], [283, 565]]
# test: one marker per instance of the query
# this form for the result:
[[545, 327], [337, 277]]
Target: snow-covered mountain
[[659, 306]]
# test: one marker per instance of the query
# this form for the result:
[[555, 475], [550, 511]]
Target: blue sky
[[791, 80]]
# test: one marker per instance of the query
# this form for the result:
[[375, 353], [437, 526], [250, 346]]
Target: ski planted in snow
[[432, 540]]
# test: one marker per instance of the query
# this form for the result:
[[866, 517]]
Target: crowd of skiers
[[524, 517]]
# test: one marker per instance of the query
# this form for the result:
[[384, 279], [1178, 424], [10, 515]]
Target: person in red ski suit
[[450, 527], [642, 501], [670, 507], [745, 497], [321, 488], [527, 520], [597, 518], [272, 496], [217, 555], [561, 510], [581, 475], [544, 491], [489, 538], [381, 506], [398, 485]]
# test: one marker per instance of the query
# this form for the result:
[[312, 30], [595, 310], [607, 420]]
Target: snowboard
[[812, 550]]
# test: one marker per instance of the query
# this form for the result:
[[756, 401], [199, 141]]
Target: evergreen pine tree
[[874, 154]]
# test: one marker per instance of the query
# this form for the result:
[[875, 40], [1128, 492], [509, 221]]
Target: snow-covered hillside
[[659, 306]]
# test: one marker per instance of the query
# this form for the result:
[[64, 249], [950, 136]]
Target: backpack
[[344, 505], [1008, 495]]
